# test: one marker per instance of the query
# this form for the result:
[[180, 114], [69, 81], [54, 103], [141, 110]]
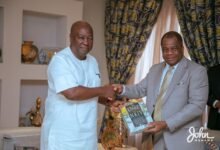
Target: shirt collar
[[167, 66]]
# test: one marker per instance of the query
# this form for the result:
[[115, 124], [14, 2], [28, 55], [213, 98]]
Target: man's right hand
[[109, 92], [118, 88]]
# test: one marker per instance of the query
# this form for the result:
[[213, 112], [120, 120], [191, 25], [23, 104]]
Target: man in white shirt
[[74, 87]]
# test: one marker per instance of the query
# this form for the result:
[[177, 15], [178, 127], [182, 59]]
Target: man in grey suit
[[177, 106]]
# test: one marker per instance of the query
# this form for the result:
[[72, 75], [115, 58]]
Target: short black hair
[[80, 24], [172, 34]]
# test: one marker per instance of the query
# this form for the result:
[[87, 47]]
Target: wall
[[13, 72], [93, 12]]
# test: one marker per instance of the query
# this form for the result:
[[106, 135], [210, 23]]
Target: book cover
[[136, 116]]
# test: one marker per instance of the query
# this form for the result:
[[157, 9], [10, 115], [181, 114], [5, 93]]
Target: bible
[[135, 116]]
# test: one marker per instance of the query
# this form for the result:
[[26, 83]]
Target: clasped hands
[[110, 93]]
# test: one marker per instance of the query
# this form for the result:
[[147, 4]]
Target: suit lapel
[[178, 74]]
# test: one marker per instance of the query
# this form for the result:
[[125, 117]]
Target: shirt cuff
[[214, 104], [123, 90]]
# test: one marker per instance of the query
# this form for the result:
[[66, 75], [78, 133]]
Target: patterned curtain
[[128, 25], [200, 24]]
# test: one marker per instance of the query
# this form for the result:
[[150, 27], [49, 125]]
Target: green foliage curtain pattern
[[128, 24], [200, 24]]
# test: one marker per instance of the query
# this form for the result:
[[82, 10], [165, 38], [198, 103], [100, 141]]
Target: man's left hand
[[155, 127]]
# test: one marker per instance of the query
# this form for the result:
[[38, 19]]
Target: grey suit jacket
[[184, 101]]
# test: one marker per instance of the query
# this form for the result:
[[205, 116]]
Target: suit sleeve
[[138, 90], [197, 99]]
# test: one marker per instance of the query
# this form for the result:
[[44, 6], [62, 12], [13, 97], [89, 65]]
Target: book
[[136, 116]]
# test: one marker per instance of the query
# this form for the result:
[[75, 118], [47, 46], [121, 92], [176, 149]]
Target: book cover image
[[136, 116]]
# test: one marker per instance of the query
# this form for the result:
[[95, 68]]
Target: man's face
[[82, 42], [172, 51]]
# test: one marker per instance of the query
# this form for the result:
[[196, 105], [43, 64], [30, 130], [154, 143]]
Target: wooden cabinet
[[47, 24]]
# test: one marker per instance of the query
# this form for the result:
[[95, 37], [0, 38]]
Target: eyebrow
[[170, 46]]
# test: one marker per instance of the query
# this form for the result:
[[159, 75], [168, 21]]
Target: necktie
[[163, 89], [157, 115]]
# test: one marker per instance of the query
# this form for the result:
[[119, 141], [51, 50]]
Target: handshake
[[109, 96], [111, 91]]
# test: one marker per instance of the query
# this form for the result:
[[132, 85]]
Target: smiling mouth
[[170, 58], [84, 47]]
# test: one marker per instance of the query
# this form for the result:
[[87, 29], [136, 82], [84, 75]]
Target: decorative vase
[[29, 52]]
